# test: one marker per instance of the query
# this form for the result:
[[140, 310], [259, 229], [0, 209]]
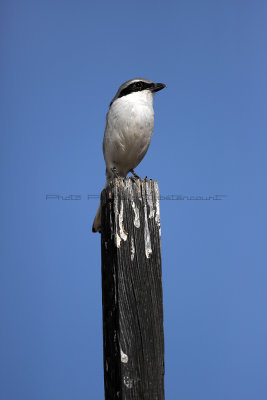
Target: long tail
[[97, 221]]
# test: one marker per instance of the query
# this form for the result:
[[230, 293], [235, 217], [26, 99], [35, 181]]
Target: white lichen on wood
[[132, 249], [124, 357], [123, 233], [148, 249], [128, 382], [120, 233], [136, 215], [157, 216], [117, 240], [150, 200]]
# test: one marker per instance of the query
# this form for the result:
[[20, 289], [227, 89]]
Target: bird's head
[[137, 85]]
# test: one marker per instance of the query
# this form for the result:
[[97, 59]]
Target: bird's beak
[[157, 86]]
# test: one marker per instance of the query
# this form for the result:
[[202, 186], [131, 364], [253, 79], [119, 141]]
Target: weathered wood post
[[132, 291]]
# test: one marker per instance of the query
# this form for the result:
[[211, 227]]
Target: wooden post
[[132, 291]]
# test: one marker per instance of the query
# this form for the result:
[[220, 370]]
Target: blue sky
[[61, 64]]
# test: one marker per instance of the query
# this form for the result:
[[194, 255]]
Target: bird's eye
[[138, 85]]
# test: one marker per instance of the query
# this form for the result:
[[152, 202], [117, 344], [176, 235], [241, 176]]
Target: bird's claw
[[115, 172], [134, 174]]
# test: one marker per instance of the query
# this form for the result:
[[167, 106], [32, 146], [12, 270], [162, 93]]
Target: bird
[[128, 130]]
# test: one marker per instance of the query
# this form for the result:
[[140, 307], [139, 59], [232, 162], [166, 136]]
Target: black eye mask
[[135, 87]]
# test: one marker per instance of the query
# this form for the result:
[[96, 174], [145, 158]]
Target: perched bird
[[128, 132]]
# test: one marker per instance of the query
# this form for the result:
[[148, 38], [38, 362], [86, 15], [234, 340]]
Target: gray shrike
[[128, 132]]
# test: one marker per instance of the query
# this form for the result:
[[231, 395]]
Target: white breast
[[129, 127]]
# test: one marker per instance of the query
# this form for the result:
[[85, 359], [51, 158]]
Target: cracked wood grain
[[133, 338]]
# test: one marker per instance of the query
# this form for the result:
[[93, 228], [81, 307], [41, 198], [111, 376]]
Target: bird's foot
[[134, 174], [115, 172], [133, 179]]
